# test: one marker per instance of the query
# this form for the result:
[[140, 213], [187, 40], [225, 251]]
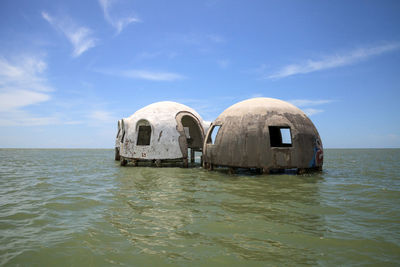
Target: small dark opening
[[144, 136], [280, 136], [214, 134]]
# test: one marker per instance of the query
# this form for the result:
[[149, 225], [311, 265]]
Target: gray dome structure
[[263, 133]]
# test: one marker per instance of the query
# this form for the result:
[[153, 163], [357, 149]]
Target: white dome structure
[[159, 132]]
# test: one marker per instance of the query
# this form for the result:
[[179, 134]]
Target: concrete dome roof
[[261, 105], [163, 109], [263, 133]]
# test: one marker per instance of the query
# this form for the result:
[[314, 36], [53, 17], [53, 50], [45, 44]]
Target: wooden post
[[158, 163], [192, 155], [123, 161], [211, 166], [301, 171], [185, 163], [117, 155]]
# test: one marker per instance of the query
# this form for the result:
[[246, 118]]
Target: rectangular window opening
[[144, 136], [280, 136], [214, 133]]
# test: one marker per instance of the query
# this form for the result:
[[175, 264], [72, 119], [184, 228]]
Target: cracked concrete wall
[[243, 139]]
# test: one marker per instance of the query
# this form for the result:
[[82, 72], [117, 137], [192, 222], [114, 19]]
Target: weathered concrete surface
[[118, 141], [168, 137], [243, 139]]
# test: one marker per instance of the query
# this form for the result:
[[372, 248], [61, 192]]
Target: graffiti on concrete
[[318, 157]]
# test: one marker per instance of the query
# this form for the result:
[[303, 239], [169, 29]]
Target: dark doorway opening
[[192, 136]]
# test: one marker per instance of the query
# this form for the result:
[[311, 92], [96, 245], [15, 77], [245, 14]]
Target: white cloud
[[334, 61], [208, 108], [312, 111], [11, 100], [26, 72], [216, 38], [153, 76], [145, 75], [152, 55], [308, 102], [119, 23], [223, 63], [256, 95], [80, 37], [22, 84], [102, 116], [23, 118], [203, 42]]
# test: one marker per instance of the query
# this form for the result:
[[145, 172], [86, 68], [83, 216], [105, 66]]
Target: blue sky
[[70, 69]]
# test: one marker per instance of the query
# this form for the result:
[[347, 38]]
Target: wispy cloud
[[223, 63], [119, 23], [23, 72], [200, 39], [312, 111], [208, 108], [11, 100], [80, 37], [156, 54], [102, 116], [334, 61], [145, 75], [202, 42], [307, 103], [215, 38], [22, 84], [153, 76], [24, 118]]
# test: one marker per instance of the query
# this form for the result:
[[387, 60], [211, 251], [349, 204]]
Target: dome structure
[[263, 133], [161, 131]]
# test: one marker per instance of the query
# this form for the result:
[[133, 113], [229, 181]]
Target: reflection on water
[[199, 215], [78, 207]]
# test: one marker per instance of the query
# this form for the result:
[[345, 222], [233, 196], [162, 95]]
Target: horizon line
[[81, 148]]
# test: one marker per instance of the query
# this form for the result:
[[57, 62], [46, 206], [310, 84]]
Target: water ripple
[[78, 207]]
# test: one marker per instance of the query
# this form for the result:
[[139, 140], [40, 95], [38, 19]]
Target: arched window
[[143, 129], [213, 134]]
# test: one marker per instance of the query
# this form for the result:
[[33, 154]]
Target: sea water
[[80, 208]]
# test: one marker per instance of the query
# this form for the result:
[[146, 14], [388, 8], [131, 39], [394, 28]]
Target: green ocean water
[[80, 208]]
